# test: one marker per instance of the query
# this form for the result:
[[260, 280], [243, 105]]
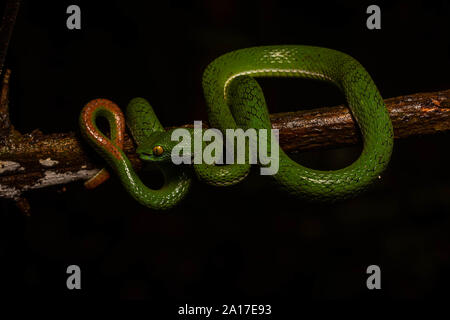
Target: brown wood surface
[[36, 160]]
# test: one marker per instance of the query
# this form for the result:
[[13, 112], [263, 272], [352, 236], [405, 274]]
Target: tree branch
[[35, 160], [330, 127]]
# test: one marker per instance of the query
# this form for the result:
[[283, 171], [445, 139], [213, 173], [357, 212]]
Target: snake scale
[[235, 100]]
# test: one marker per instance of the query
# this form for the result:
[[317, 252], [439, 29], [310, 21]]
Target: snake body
[[235, 100], [143, 124]]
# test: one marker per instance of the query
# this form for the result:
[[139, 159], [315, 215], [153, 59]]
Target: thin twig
[[9, 18]]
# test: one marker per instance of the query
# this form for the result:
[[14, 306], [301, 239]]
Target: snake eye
[[158, 150]]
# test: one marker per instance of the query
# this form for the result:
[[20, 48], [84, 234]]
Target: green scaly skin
[[364, 100], [235, 100], [144, 127]]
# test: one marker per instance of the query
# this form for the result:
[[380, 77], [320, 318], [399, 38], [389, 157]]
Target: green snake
[[235, 100]]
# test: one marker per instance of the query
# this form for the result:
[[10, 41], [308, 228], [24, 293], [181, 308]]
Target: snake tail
[[176, 182]]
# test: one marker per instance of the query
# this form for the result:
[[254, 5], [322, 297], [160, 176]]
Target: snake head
[[157, 148]]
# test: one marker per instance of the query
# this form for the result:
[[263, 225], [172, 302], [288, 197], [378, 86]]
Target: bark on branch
[[36, 160]]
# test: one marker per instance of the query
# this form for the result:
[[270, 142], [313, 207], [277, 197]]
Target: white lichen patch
[[9, 166], [9, 192], [54, 178], [51, 178], [48, 162]]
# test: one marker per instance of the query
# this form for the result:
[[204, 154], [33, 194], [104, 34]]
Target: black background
[[248, 242]]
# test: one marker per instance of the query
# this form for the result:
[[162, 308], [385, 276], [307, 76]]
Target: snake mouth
[[145, 156], [150, 157]]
